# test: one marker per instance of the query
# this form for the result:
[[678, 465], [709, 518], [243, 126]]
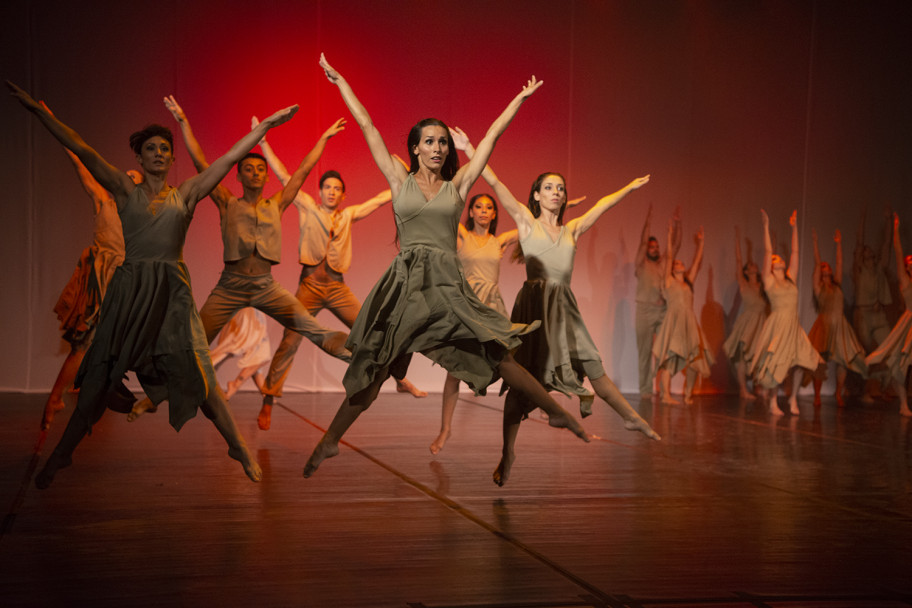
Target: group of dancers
[[767, 344], [439, 296]]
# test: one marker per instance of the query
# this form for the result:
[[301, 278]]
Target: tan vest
[[246, 226], [325, 235], [650, 283]]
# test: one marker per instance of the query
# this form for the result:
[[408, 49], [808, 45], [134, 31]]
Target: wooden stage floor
[[732, 509]]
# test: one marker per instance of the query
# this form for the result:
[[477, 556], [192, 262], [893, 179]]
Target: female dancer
[[740, 341], [423, 303], [680, 342], [895, 352], [80, 301], [245, 337], [562, 351], [831, 333], [781, 345], [149, 322]]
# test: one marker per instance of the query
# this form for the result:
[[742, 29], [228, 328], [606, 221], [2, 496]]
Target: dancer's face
[[678, 269], [778, 265], [433, 148], [552, 194], [826, 273], [752, 271], [253, 173], [155, 156], [482, 211], [867, 257], [332, 193], [652, 250]]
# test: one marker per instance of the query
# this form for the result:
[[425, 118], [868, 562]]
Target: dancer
[[739, 344], [895, 353], [561, 352], [423, 303], [680, 343], [325, 253], [781, 345], [872, 296], [80, 301], [252, 238], [244, 337], [650, 299], [831, 334], [149, 323]]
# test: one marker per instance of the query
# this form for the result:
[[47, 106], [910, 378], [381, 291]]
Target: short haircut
[[250, 155], [138, 138], [329, 174]]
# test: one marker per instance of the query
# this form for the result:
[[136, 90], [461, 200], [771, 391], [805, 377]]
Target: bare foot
[[774, 408], [53, 464], [140, 408], [867, 399], [688, 400], [232, 388], [904, 410], [816, 400], [51, 408], [264, 420], [669, 400], [325, 449], [639, 424], [405, 386], [566, 421], [793, 405], [746, 396], [251, 467], [502, 472], [440, 441], [840, 400]]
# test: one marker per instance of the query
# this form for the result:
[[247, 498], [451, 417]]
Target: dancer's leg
[[841, 374], [216, 408], [450, 396], [518, 378], [818, 383], [741, 372], [64, 379], [772, 394], [690, 380], [793, 397], [348, 412], [899, 385], [141, 407], [62, 456], [512, 417], [664, 378], [609, 393]]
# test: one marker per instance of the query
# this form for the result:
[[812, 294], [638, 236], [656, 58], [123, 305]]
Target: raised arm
[[468, 173], [766, 270], [793, 259], [111, 179], [900, 258], [394, 172], [220, 194], [669, 258], [520, 214], [817, 284], [505, 239], [644, 241], [698, 257], [858, 254], [739, 260], [294, 183], [837, 272], [199, 186], [278, 167], [678, 230], [359, 212], [583, 223]]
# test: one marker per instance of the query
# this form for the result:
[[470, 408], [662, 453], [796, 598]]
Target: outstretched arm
[[508, 238], [900, 258], [698, 257], [394, 173], [766, 271], [220, 194], [111, 179], [817, 284], [588, 219], [278, 167], [468, 173], [199, 186], [521, 215], [669, 258], [359, 212], [793, 259], [297, 178]]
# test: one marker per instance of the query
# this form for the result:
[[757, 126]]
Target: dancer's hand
[[764, 218], [460, 139], [837, 236], [254, 121], [336, 128], [638, 182], [282, 116], [333, 76], [24, 98], [698, 237], [532, 85], [793, 218], [176, 111]]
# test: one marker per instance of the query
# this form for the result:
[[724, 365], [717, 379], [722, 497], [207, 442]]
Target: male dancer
[[325, 252], [252, 238], [650, 301]]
